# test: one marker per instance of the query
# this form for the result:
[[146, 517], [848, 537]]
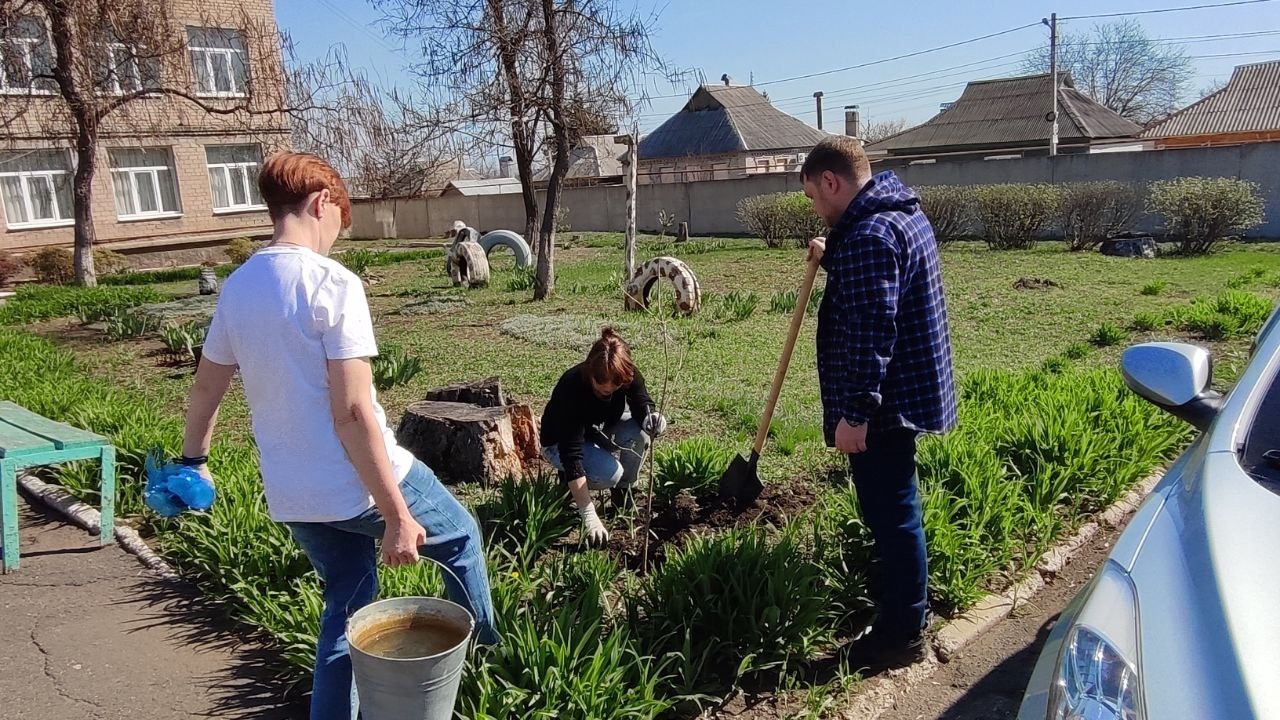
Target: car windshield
[[1260, 455]]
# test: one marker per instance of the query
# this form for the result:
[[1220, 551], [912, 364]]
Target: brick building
[[171, 176]]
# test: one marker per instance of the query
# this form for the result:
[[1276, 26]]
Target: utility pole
[[1052, 22], [818, 99]]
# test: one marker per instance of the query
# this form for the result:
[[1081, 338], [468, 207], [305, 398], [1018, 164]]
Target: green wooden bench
[[28, 439]]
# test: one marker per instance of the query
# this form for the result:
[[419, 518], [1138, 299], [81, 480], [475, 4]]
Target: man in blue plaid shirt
[[884, 366]]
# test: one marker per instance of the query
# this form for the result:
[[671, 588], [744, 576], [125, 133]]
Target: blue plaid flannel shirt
[[884, 350]]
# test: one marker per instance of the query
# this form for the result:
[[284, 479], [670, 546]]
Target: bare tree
[[877, 131], [77, 70], [1211, 88], [1119, 66], [533, 71], [381, 141]]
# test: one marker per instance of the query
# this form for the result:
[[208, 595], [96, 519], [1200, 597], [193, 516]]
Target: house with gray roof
[[1245, 110], [1010, 117], [722, 132]]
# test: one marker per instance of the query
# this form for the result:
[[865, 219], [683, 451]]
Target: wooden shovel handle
[[797, 317]]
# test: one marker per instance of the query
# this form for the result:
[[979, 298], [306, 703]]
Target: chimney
[[725, 79], [851, 121], [817, 97], [504, 166]]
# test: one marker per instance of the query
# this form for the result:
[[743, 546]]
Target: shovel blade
[[740, 485]]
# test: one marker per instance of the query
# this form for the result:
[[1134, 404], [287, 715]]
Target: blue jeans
[[345, 558], [604, 469], [885, 478]]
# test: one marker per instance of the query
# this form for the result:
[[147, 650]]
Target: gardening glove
[[592, 528], [655, 424]]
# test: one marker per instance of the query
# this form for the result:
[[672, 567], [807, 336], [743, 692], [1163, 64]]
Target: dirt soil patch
[[1035, 283]]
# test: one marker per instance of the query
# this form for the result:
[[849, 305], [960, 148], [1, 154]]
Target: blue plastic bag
[[173, 488]]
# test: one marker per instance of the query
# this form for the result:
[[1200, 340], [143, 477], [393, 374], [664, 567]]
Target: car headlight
[[1098, 676]]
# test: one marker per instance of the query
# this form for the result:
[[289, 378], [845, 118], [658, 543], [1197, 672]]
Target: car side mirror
[[1174, 377]]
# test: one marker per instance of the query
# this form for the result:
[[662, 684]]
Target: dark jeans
[[885, 478]]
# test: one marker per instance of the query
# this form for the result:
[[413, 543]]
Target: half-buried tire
[[510, 240]]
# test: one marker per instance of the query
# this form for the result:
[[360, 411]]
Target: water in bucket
[[407, 654]]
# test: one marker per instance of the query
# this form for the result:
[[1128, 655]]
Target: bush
[[9, 267], [1012, 216], [128, 324], [1090, 212], [240, 249], [1154, 288], [1202, 212], [45, 302], [1108, 334], [949, 209], [779, 217], [1146, 321], [109, 262], [695, 465], [358, 260], [393, 366], [181, 339], [55, 266]]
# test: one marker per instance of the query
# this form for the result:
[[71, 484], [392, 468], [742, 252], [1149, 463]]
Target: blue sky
[[773, 40]]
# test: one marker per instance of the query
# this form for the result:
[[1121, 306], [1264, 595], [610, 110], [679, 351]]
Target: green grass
[[1047, 436], [33, 303]]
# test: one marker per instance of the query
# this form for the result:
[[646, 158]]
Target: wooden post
[[682, 234], [629, 169]]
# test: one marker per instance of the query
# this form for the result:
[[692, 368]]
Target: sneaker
[[872, 653]]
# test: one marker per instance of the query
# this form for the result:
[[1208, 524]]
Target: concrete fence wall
[[710, 207]]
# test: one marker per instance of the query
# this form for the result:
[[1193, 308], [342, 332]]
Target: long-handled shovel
[[740, 484]]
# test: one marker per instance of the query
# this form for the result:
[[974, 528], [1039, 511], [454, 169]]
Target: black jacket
[[574, 414]]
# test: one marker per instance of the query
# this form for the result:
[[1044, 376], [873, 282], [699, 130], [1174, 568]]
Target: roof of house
[[593, 156], [491, 186], [720, 119], [1249, 101], [1011, 112]]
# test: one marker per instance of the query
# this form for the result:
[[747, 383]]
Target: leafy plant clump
[[54, 266], [1108, 334], [1013, 216], [695, 465], [779, 217], [1090, 212], [1202, 212], [32, 303], [393, 366]]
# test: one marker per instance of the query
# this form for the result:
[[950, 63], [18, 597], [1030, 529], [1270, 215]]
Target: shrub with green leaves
[[695, 465], [1232, 314], [1155, 287], [733, 606], [735, 305], [393, 366], [779, 217], [1090, 212], [1012, 216], [949, 209], [358, 260], [126, 324], [1200, 213], [53, 265], [32, 303], [240, 249], [1147, 321], [109, 262], [521, 279], [1108, 334], [181, 339], [527, 516], [152, 277]]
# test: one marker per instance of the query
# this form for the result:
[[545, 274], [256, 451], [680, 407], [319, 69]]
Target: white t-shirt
[[281, 316]]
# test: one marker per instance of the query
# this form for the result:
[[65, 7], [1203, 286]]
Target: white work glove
[[654, 424], [592, 529]]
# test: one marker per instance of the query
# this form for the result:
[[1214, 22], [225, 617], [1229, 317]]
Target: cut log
[[485, 393], [463, 442], [682, 234]]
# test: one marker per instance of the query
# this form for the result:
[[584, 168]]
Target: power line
[[1164, 10]]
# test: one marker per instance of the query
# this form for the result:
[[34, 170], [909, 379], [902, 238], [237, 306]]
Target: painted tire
[[510, 240], [468, 265], [688, 294]]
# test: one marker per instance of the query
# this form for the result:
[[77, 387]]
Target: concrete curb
[[90, 519], [879, 695]]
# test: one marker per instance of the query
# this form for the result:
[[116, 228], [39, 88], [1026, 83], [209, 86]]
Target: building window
[[218, 60], [26, 58], [36, 186], [233, 176], [145, 183]]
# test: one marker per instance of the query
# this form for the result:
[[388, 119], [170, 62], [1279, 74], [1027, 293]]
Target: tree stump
[[463, 442], [682, 234], [485, 393]]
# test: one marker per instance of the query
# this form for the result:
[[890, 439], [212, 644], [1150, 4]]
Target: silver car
[[1183, 619]]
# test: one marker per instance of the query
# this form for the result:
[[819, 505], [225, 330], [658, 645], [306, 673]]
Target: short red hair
[[287, 178]]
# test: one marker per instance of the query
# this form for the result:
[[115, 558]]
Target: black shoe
[[873, 653]]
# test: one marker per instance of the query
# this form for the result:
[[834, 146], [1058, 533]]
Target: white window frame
[[28, 46], [131, 64], [206, 56], [47, 176], [226, 168], [131, 174]]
